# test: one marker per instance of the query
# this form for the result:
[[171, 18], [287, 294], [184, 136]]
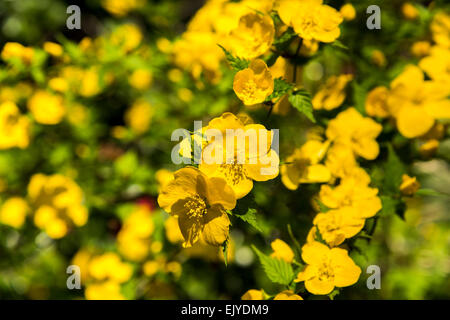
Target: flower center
[[196, 207], [234, 173], [325, 271]]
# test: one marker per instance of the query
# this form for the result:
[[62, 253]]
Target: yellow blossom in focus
[[327, 268], [337, 225], [281, 250], [311, 19], [199, 202], [409, 11], [254, 161], [417, 103], [53, 48], [16, 50], [303, 166], [141, 79], [254, 84], [440, 28], [287, 295], [253, 37], [332, 94], [46, 108], [57, 204], [139, 116], [358, 133], [376, 102], [348, 12], [409, 185], [253, 294], [13, 212], [14, 127]]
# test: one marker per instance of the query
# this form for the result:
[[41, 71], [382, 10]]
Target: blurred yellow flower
[[437, 65], [409, 185], [378, 58], [253, 37], [416, 103], [311, 19], [173, 233], [254, 84], [200, 203], [421, 48], [410, 11], [376, 102], [57, 204], [340, 160], [139, 116], [14, 127], [348, 12], [46, 107], [108, 266], [121, 8], [359, 133], [141, 79], [440, 28], [281, 250], [332, 94], [16, 50], [13, 212], [127, 36], [108, 290], [53, 48], [303, 166], [327, 268]]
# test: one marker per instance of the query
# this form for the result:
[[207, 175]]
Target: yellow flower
[[350, 128], [133, 238], [281, 250], [53, 48], [108, 290], [332, 94], [127, 36], [348, 12], [199, 203], [253, 37], [90, 82], [14, 127], [121, 8], [437, 65], [108, 266], [287, 295], [410, 11], [327, 268], [421, 48], [16, 50], [416, 103], [57, 201], [340, 160], [139, 116], [311, 19], [173, 233], [243, 165], [13, 212], [163, 177], [303, 165], [337, 225], [409, 185], [378, 58], [254, 84], [353, 191], [141, 79], [253, 294], [46, 108], [376, 102], [440, 28], [429, 148]]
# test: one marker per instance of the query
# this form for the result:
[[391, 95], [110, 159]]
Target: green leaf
[[250, 218], [280, 88], [393, 171], [236, 63], [431, 193], [301, 100], [283, 42], [277, 270], [225, 252], [392, 206], [339, 45]]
